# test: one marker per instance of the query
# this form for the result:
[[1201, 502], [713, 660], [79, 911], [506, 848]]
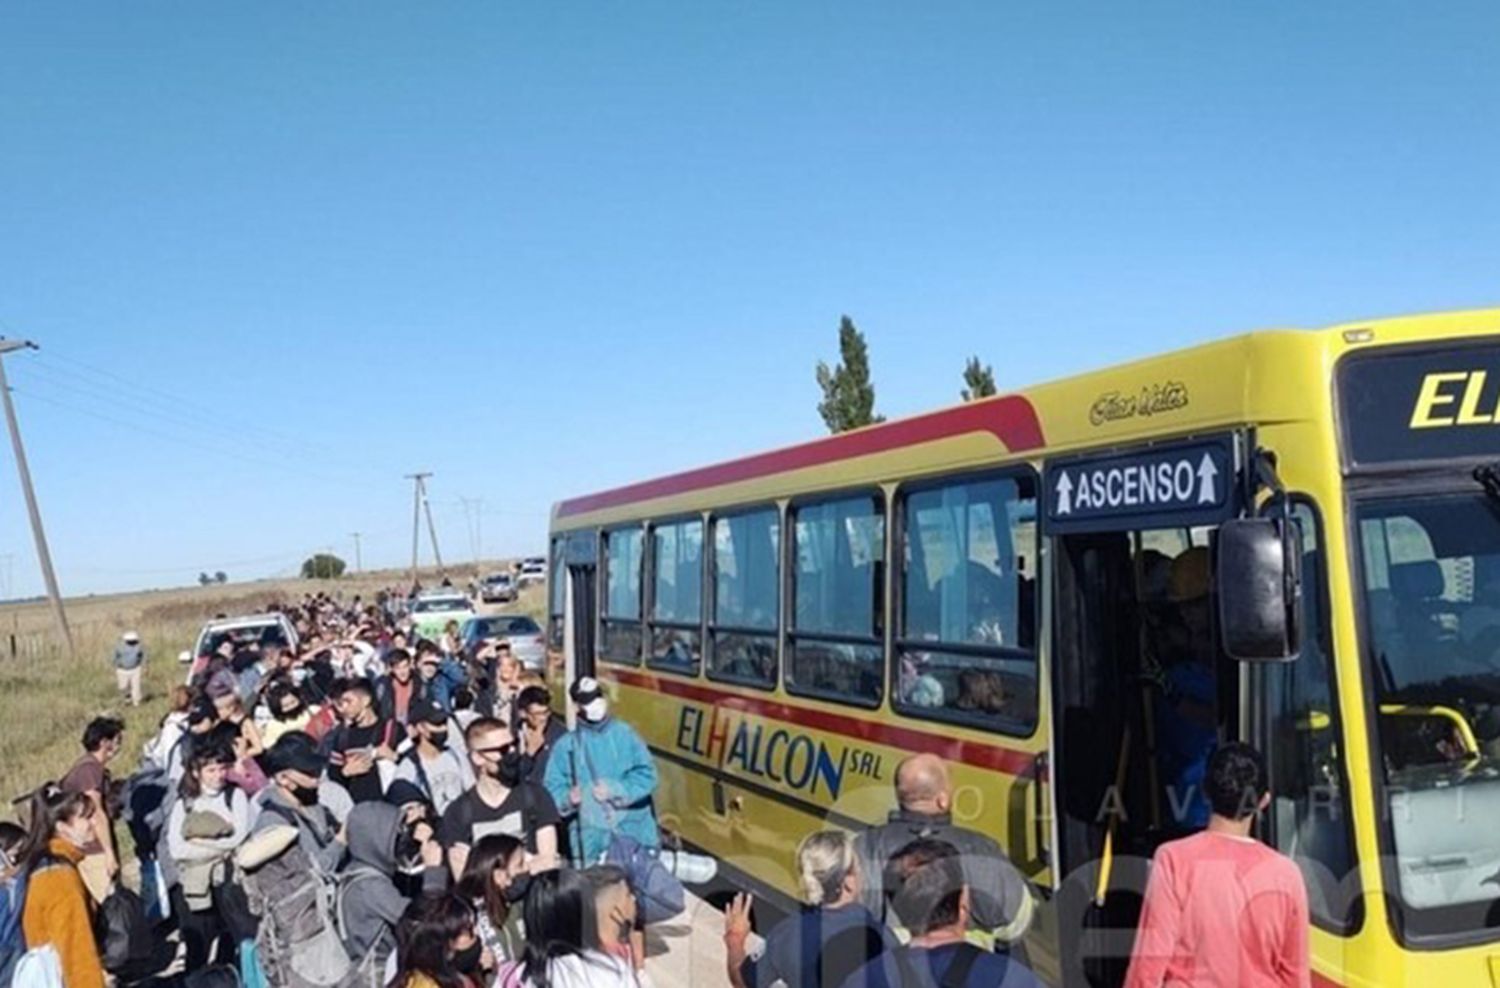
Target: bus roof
[[1269, 375]]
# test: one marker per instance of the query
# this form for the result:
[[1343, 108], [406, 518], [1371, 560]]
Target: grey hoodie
[[371, 902]]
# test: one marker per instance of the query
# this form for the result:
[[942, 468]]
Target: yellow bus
[[1298, 529]]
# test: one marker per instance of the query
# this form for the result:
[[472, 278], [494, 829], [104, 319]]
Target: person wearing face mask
[[207, 822], [437, 946], [57, 910], [562, 936], [431, 764], [288, 712], [384, 843], [495, 880], [501, 802], [615, 916], [602, 775], [294, 766]]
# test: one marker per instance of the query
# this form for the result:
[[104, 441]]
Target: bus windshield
[[1431, 584]]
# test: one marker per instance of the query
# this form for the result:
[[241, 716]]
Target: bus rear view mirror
[[1260, 589]]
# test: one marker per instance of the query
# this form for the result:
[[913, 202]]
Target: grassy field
[[46, 697]]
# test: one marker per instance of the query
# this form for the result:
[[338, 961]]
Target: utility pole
[[431, 528], [358, 562], [43, 556], [416, 517], [473, 511]]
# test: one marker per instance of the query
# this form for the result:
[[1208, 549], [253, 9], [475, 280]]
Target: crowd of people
[[374, 808]]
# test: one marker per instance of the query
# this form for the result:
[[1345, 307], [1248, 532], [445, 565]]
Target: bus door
[[1141, 689], [580, 608]]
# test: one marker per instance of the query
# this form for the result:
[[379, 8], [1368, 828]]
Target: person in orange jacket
[[57, 910]]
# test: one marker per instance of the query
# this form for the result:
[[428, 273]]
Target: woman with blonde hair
[[833, 936]]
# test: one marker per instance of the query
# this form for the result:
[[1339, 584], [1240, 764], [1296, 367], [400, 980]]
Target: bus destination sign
[[1421, 405], [1170, 486]]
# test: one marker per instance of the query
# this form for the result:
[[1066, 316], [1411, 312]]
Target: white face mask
[[596, 710]]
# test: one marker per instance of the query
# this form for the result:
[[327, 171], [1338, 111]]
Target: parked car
[[250, 631], [433, 610], [527, 641], [497, 588], [533, 570]]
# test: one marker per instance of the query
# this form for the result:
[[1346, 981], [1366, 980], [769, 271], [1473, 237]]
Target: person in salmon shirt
[[1222, 909]]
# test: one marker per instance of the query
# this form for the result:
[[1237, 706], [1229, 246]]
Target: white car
[[250, 631], [497, 588], [527, 641], [533, 570], [432, 611]]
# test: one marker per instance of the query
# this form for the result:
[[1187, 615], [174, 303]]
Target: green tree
[[323, 566], [204, 579], [848, 396], [979, 380], [221, 577]]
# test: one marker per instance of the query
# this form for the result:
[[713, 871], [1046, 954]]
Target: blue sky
[[279, 255]]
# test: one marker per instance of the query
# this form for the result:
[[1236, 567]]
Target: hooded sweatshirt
[[368, 895], [612, 753]]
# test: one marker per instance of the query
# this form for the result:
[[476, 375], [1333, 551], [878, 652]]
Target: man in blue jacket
[[602, 777]]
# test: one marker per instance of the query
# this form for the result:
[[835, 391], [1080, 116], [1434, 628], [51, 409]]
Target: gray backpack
[[298, 940]]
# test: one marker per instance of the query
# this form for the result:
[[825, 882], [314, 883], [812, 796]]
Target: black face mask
[[511, 770], [408, 851], [438, 738], [306, 795], [516, 891], [466, 961], [289, 713]]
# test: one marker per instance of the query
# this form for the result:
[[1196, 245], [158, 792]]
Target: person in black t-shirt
[[501, 802], [362, 740]]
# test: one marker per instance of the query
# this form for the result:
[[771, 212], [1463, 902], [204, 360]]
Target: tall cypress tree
[[979, 380], [848, 396]]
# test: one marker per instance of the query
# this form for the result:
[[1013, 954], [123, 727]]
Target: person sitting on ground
[[834, 935], [495, 881], [930, 896], [57, 911], [1002, 904], [431, 764], [384, 842], [558, 913], [102, 740], [437, 946], [1223, 909]]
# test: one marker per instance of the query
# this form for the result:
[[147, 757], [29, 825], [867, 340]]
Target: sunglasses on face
[[499, 750]]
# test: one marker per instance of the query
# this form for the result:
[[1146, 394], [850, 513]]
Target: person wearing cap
[[294, 766], [1186, 717], [431, 764], [130, 656], [602, 775]]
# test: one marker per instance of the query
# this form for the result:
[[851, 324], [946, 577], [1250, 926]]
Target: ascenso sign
[[1426, 404], [1168, 486]]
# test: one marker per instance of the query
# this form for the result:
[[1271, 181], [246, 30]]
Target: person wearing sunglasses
[[502, 801]]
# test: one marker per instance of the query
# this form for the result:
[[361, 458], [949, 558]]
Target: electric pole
[[473, 510], [416, 517], [44, 557], [419, 505], [358, 562]]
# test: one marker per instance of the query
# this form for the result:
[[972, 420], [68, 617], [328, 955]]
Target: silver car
[[527, 640], [497, 588]]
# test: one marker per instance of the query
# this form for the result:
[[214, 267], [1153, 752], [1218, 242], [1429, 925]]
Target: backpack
[[298, 940], [123, 933], [12, 942], [369, 970]]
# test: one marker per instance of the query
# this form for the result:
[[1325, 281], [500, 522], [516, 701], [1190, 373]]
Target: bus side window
[[621, 641], [965, 643], [746, 608]]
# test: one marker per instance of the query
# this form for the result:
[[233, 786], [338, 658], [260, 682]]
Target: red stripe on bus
[[1012, 419], [986, 756]]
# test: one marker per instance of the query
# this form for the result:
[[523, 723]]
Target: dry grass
[[46, 697]]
